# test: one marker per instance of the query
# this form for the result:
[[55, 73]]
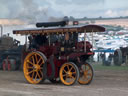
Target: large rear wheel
[[117, 57], [69, 73], [86, 74], [33, 67]]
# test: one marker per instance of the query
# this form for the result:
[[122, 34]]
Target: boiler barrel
[[51, 24]]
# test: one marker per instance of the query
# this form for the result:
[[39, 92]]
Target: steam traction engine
[[10, 53], [54, 53]]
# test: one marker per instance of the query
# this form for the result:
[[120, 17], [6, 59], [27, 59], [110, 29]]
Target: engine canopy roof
[[61, 30]]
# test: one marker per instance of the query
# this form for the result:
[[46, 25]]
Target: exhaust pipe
[[1, 30]]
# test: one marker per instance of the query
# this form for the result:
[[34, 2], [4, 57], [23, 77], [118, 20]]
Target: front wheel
[[33, 66], [69, 73], [86, 74]]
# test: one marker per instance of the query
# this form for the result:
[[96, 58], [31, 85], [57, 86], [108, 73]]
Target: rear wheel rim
[[68, 74], [33, 66], [86, 74]]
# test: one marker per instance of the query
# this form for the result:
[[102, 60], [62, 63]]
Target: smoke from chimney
[[33, 13], [29, 10]]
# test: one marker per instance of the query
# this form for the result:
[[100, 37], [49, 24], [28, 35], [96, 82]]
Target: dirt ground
[[105, 83]]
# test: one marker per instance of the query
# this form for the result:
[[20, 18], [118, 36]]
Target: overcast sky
[[40, 9]]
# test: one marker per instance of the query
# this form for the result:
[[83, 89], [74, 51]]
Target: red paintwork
[[58, 64], [4, 65], [9, 66], [53, 50], [80, 45]]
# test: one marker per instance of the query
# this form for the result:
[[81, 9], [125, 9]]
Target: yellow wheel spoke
[[88, 68], [71, 69], [29, 62], [68, 67], [33, 74], [41, 72], [82, 71], [36, 58], [89, 74], [30, 67], [65, 71], [85, 77], [41, 64], [73, 77], [73, 72], [30, 72], [39, 61], [33, 60], [38, 74]]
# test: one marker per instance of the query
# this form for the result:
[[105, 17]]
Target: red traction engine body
[[56, 54], [65, 57]]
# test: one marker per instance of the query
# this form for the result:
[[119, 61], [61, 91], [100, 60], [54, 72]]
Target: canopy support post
[[92, 39], [85, 41], [49, 40], [26, 42]]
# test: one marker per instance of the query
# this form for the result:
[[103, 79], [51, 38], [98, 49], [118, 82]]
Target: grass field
[[101, 67]]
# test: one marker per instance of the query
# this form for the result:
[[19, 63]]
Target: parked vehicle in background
[[10, 53]]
